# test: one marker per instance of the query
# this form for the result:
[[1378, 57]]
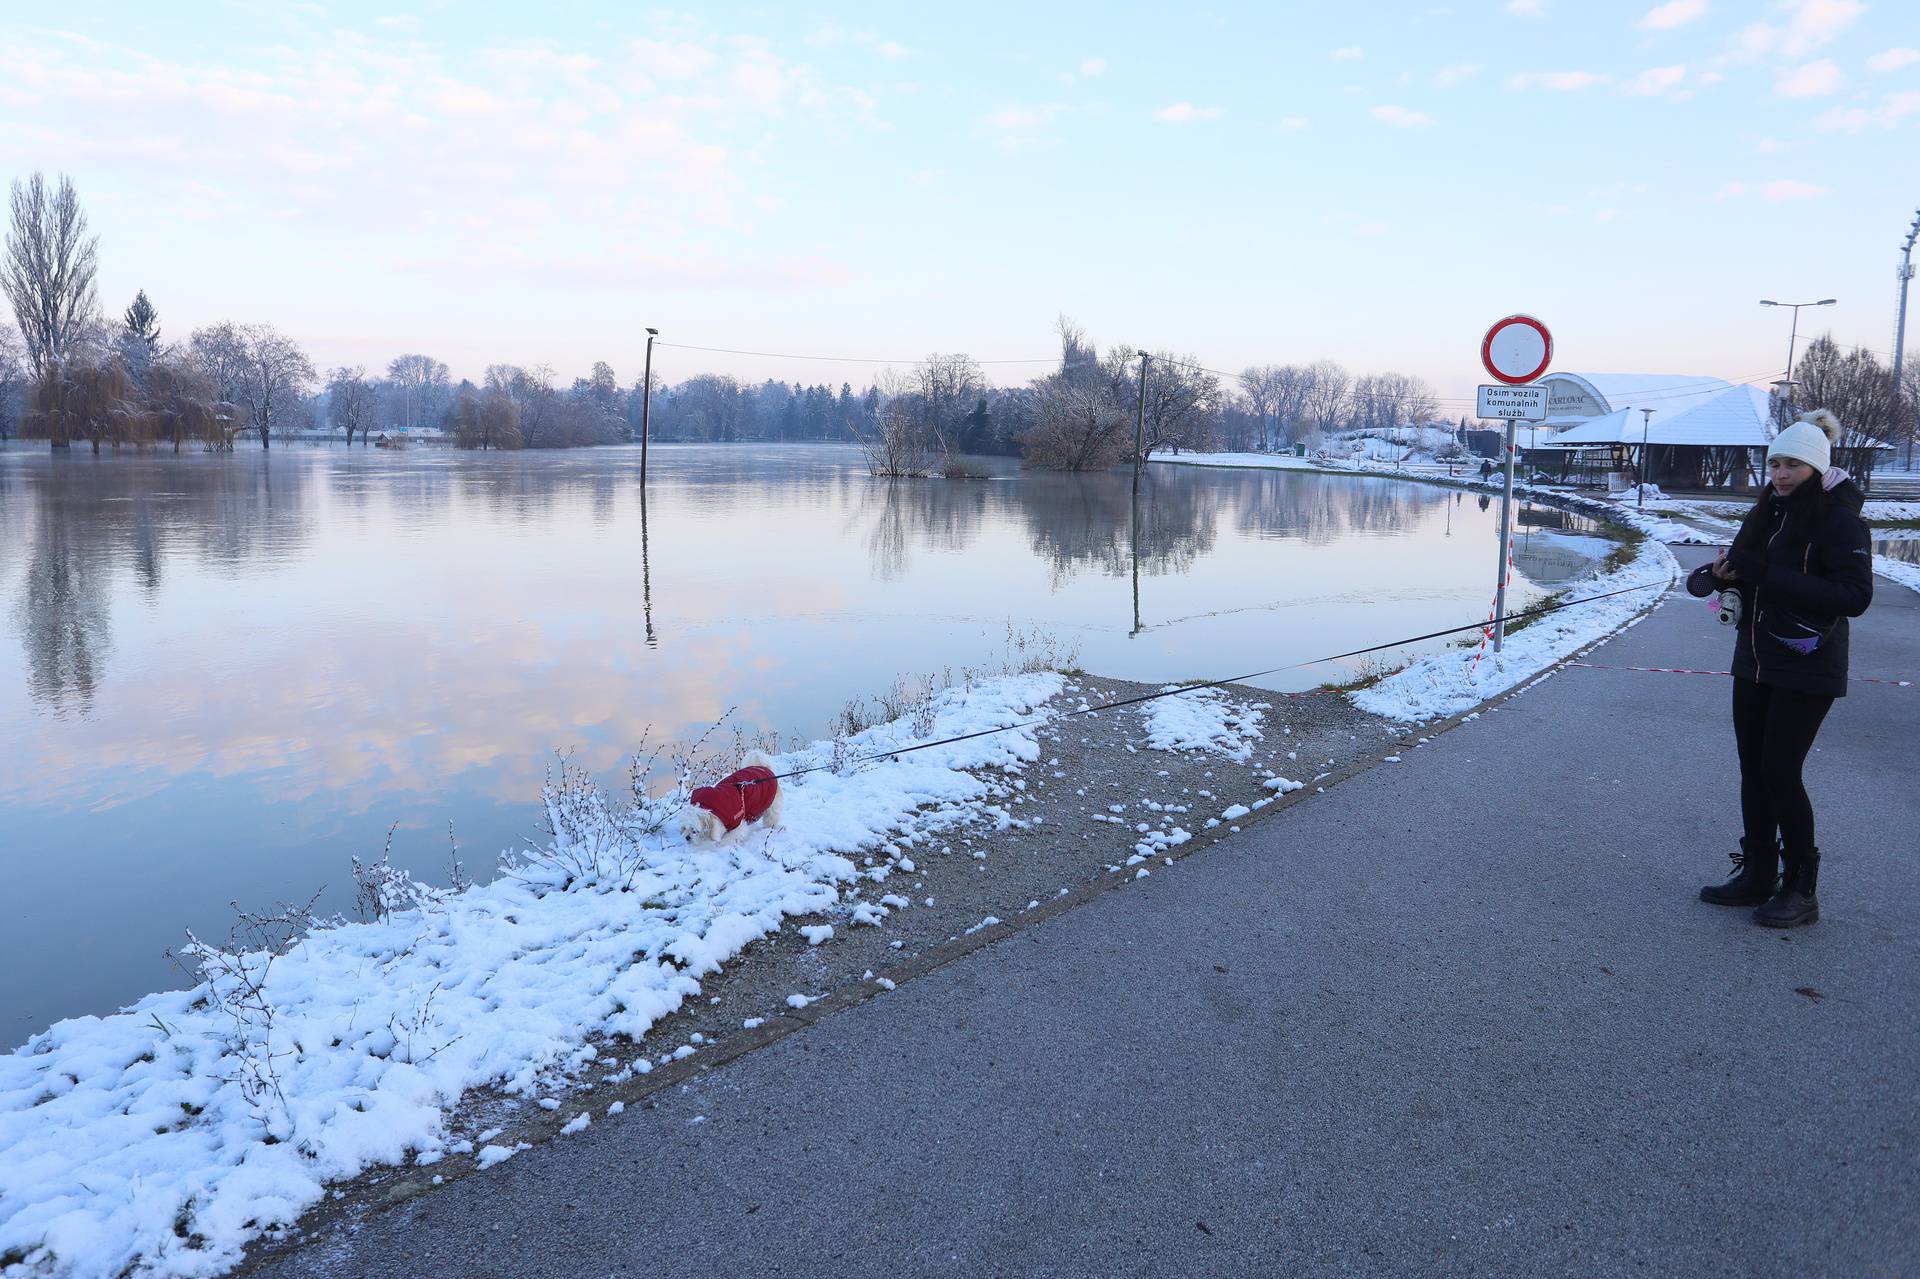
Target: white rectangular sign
[[1527, 403]]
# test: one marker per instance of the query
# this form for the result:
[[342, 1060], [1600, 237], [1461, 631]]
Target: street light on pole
[[1900, 327], [1139, 422], [646, 406], [1792, 335]]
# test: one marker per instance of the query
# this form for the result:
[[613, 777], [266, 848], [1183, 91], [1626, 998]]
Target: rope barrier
[[1541, 611]]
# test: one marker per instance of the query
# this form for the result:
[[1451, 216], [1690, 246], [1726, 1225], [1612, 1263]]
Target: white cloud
[[1674, 13], [1814, 80], [1372, 227], [1351, 53], [1605, 215], [1781, 189], [1816, 22], [891, 49], [1458, 73], [1766, 146], [1778, 191], [1187, 113], [1656, 80], [1526, 8], [1292, 123], [1093, 66], [671, 60], [1401, 117], [1558, 81], [1891, 111], [1893, 59], [1016, 115]]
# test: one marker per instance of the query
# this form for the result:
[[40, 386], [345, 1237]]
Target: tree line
[[69, 374]]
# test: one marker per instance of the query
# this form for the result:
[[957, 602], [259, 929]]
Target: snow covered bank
[[1907, 575], [158, 1141], [1447, 683]]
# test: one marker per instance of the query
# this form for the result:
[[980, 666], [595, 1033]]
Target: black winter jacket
[[1804, 567]]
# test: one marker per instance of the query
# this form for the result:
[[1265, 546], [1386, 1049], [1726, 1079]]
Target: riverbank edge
[[398, 1186]]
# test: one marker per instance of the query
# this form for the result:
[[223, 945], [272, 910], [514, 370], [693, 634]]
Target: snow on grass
[[1203, 719], [1447, 683], [157, 1141], [1889, 511], [1908, 575]]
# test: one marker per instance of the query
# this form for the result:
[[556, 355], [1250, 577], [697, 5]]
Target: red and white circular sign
[[1517, 349]]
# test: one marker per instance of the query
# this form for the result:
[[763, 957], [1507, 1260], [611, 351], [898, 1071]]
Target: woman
[[1799, 567]]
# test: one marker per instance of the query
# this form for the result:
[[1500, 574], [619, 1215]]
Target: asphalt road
[[1459, 1015]]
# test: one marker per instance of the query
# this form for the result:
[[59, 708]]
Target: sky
[[1367, 182]]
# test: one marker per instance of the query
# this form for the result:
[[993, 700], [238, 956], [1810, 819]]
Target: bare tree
[[1082, 414], [353, 403], [1261, 385], [899, 442], [48, 270], [180, 403], [13, 381], [220, 352], [420, 388], [943, 390], [485, 420], [278, 373], [1326, 394], [1180, 401]]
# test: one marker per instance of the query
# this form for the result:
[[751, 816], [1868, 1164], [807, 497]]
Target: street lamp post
[[646, 406], [1900, 328], [1792, 335], [1646, 420], [1140, 422]]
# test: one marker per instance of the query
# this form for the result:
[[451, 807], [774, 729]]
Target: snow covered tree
[[143, 322], [48, 270], [277, 375]]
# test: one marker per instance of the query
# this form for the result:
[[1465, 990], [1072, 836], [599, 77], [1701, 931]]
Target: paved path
[[1460, 1015]]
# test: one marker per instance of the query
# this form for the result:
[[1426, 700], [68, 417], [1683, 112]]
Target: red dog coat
[[739, 797]]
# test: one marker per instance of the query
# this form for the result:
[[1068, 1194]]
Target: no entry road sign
[[1517, 349], [1527, 403]]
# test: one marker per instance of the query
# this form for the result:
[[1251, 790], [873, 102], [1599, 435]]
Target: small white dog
[[750, 794]]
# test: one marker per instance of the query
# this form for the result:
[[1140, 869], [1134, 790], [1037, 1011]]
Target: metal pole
[[1646, 417], [1139, 423], [1786, 392], [1506, 545], [1900, 330], [646, 409]]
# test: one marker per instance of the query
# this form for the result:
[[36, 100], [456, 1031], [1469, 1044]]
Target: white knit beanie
[[1809, 440]]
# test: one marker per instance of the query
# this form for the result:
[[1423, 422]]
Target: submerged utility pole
[[1140, 423], [646, 408], [1900, 331]]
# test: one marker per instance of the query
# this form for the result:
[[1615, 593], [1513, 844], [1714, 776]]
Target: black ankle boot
[[1756, 876], [1796, 903]]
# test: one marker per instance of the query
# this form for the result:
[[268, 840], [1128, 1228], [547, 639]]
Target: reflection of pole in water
[[1133, 552], [646, 573]]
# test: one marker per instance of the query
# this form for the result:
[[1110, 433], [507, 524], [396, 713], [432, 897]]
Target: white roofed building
[[1702, 431]]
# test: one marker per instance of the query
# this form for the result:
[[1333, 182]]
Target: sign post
[[1515, 351]]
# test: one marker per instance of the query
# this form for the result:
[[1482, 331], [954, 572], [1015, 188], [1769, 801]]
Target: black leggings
[[1774, 729]]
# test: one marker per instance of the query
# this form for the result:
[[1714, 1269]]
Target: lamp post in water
[[646, 407]]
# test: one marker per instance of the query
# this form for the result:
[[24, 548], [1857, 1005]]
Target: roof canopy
[[1737, 417]]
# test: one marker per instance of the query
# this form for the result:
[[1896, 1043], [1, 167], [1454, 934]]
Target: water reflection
[[224, 674], [62, 605]]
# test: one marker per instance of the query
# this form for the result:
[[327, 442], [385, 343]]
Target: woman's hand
[[1721, 569]]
